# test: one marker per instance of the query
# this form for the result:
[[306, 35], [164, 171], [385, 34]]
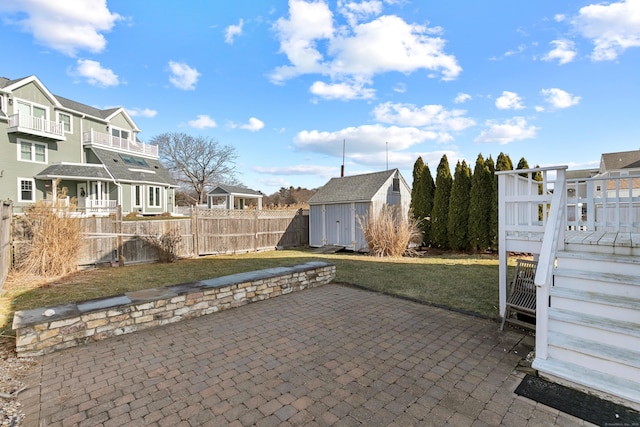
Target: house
[[94, 153], [232, 197], [335, 208]]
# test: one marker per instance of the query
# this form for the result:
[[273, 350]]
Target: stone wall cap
[[102, 303], [37, 315]]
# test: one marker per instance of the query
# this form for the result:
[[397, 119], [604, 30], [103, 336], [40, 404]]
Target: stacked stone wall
[[48, 329]]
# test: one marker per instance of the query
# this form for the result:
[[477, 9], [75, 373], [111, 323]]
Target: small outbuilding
[[335, 208], [232, 197]]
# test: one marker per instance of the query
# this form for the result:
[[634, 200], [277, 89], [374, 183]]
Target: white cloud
[[559, 98], [183, 76], [357, 51], [612, 27], [564, 51], [400, 88], [67, 26], [232, 31], [461, 98], [515, 129], [559, 17], [431, 117], [141, 112], [203, 121], [342, 91], [253, 125], [95, 74], [362, 140], [509, 101]]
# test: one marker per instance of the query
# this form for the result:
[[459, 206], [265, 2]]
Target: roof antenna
[[342, 167], [387, 142]]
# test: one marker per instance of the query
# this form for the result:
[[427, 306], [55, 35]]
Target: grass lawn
[[463, 282]]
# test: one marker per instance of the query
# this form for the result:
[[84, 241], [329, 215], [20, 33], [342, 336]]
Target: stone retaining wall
[[48, 329]]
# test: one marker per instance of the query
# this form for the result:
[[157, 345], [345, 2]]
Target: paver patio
[[332, 355]]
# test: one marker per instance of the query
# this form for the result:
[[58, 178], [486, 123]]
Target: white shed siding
[[317, 237]]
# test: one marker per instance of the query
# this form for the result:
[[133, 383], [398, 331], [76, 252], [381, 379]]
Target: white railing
[[604, 204], [110, 141], [97, 206], [552, 242], [36, 125]]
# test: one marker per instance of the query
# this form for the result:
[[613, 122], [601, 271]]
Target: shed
[[235, 197], [335, 208]]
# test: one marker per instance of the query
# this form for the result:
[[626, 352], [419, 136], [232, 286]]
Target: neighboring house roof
[[223, 190], [356, 188], [620, 160], [131, 168], [581, 173], [75, 170]]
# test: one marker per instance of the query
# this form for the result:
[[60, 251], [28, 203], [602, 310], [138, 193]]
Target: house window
[[26, 190], [154, 197], [137, 196], [32, 152], [119, 133], [65, 120], [396, 184], [598, 188]]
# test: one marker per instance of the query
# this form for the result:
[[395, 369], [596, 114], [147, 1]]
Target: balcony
[[30, 125], [109, 141]]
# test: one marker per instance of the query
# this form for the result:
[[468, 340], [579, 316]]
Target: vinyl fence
[[205, 232], [5, 240]]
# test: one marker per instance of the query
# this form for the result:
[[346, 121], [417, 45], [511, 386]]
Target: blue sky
[[286, 82]]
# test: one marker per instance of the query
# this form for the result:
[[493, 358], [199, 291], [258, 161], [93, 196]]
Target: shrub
[[166, 244], [54, 244], [388, 233]]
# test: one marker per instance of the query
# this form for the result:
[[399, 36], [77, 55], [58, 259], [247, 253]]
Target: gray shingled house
[[335, 208], [233, 197]]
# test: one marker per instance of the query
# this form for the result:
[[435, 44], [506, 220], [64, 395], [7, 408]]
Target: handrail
[[553, 239]]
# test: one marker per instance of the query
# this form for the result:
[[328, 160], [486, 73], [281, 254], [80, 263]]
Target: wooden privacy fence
[[5, 240], [205, 232]]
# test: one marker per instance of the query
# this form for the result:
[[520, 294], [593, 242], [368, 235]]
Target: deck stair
[[594, 324]]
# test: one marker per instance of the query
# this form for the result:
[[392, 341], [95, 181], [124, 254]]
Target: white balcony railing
[[110, 141], [97, 206], [36, 126]]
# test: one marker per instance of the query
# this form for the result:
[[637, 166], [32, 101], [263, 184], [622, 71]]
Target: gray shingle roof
[[121, 171], [62, 170], [356, 188], [233, 189], [82, 108], [621, 160]]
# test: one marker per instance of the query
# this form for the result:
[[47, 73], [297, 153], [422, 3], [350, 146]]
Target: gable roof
[[355, 188], [620, 160], [223, 190]]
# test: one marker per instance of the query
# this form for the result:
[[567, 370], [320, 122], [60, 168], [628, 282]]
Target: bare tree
[[197, 162]]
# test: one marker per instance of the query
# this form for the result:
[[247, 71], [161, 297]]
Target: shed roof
[[223, 190], [356, 188]]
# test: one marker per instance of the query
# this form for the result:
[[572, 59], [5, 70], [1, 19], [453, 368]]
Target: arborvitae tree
[[493, 209], [440, 213], [419, 194], [430, 191], [503, 162], [480, 206], [459, 208], [522, 164]]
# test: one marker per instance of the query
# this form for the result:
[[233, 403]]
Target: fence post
[[255, 230], [119, 258], [194, 230]]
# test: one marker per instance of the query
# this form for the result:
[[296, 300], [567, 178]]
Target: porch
[[585, 235], [110, 141]]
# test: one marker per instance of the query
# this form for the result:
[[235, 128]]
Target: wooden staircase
[[593, 323]]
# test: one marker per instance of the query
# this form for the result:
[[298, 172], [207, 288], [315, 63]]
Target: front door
[[82, 195]]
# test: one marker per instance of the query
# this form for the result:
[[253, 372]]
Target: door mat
[[573, 402]]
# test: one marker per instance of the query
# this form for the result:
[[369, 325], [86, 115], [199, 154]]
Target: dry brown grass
[[387, 233], [55, 240]]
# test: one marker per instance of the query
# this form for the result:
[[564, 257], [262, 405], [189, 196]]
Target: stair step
[[600, 257], [598, 322], [607, 277], [595, 297], [625, 390], [608, 353]]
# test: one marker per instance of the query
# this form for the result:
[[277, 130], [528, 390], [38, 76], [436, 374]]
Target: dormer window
[[120, 133]]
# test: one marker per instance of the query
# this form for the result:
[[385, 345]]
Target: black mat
[[578, 404]]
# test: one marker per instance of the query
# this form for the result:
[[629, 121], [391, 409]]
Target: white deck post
[[502, 244]]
